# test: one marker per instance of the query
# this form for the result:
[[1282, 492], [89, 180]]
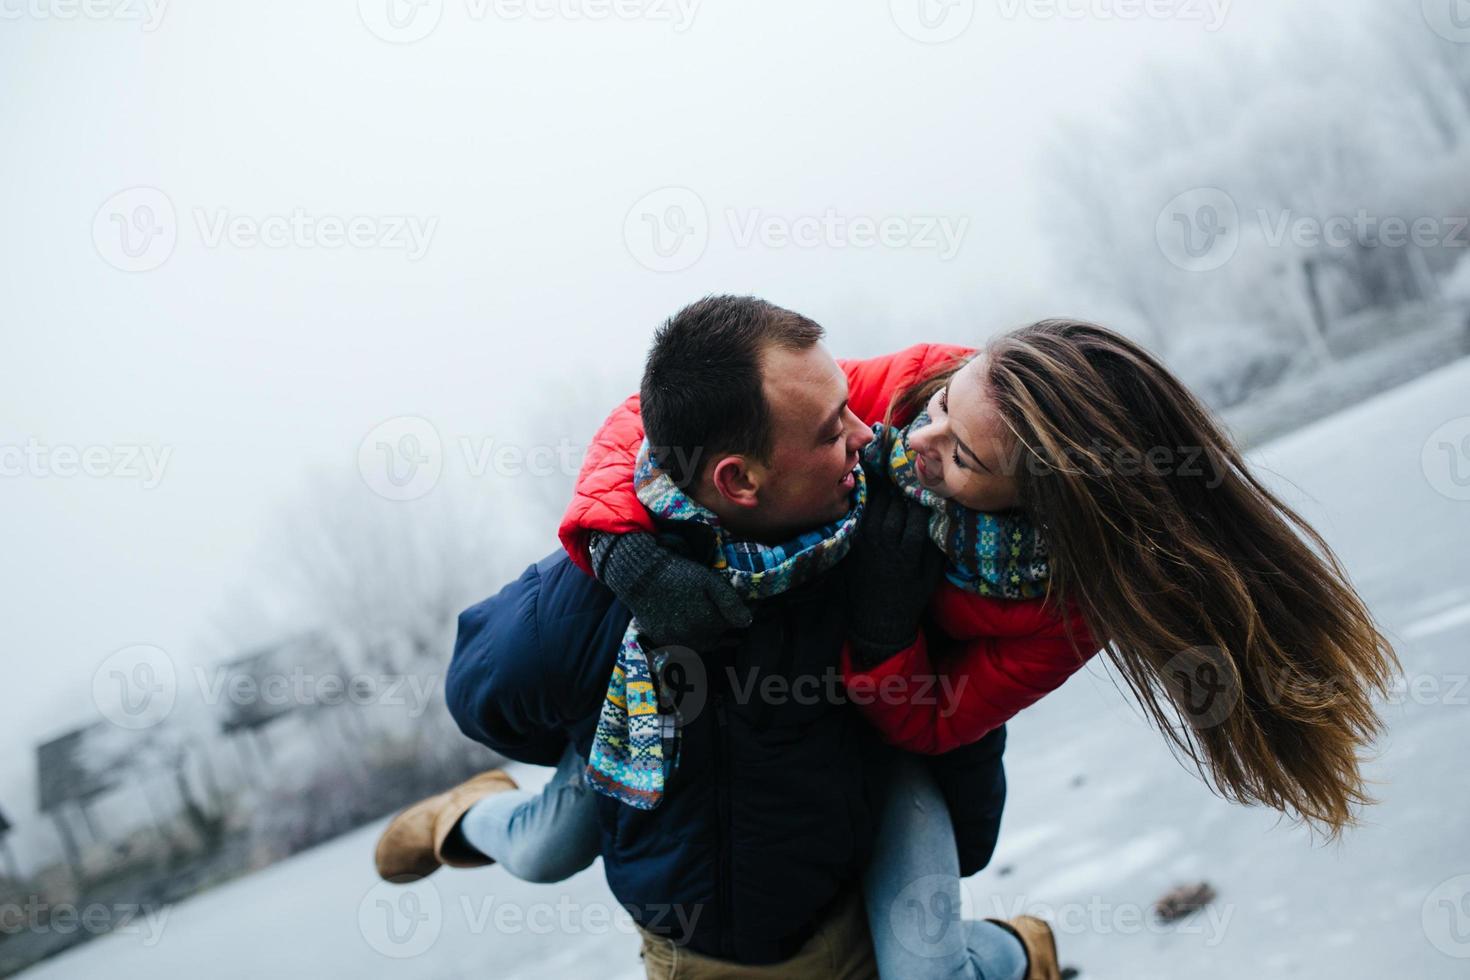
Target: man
[[749, 861]]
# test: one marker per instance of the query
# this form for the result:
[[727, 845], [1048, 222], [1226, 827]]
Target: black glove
[[675, 601], [892, 570]]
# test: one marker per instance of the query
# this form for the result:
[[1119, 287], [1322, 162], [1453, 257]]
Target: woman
[[1217, 601], [1161, 539]]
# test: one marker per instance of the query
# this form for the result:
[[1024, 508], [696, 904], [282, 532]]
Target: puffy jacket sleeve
[[944, 694], [531, 663], [604, 499], [872, 383]]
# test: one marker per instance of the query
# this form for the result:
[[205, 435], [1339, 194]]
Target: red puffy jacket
[[991, 657]]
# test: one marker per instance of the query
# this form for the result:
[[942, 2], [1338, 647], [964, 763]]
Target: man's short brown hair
[[702, 391]]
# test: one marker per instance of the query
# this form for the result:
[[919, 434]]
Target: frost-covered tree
[[1355, 121]]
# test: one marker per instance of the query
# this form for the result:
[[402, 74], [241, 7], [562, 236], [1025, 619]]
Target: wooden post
[[11, 867], [1425, 285], [211, 782], [261, 742], [1318, 335], [247, 767], [68, 845], [86, 811], [158, 821]]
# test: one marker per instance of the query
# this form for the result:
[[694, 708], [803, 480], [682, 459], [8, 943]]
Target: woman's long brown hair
[[1218, 604]]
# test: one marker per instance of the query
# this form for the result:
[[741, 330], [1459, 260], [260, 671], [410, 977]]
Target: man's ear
[[736, 481]]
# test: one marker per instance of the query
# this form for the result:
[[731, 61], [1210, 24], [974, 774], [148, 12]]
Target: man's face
[[808, 479]]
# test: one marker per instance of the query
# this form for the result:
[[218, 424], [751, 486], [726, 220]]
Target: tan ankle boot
[[414, 843], [1041, 946]]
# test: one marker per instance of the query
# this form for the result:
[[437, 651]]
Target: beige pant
[[840, 949]]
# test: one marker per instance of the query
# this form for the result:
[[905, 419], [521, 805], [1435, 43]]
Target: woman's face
[[965, 452]]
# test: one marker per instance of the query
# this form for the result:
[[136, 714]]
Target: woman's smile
[[925, 477]]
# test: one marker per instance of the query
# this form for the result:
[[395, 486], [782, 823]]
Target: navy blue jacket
[[768, 820]]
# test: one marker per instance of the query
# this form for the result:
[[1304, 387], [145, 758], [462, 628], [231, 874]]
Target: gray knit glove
[[892, 570], [674, 600]]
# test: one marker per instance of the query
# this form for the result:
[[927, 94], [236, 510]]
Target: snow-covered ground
[[1100, 822]]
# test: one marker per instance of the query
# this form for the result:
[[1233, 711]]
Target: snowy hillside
[[1101, 820]]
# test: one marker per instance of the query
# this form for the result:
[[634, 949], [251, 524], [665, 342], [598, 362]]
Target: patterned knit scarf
[[636, 748], [998, 555]]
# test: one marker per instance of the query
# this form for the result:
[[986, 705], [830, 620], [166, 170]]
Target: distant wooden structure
[[271, 674], [69, 785]]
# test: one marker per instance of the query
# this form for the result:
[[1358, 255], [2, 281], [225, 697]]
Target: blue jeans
[[541, 837], [912, 888]]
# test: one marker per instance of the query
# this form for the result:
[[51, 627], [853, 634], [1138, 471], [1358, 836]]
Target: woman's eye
[[957, 461], [834, 438], [944, 400]]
